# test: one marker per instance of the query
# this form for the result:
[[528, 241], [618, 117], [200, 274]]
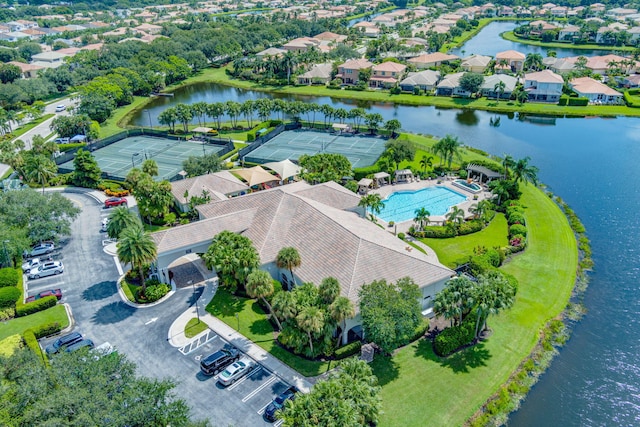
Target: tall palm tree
[[499, 89], [340, 310], [311, 321], [285, 305], [289, 258], [507, 162], [329, 290], [150, 167], [260, 285], [522, 171], [40, 169], [422, 217], [456, 215], [426, 161], [136, 246], [533, 61], [451, 146], [372, 202], [119, 220]]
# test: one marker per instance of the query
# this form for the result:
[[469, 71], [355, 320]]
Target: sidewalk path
[[178, 339]]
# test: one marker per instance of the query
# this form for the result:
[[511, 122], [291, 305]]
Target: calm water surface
[[593, 165]]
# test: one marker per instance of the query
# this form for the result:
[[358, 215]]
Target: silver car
[[236, 371], [47, 269], [30, 265], [41, 249]]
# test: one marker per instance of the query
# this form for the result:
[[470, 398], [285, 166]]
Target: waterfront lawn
[[118, 120], [458, 249], [18, 325], [511, 36], [255, 326], [454, 388]]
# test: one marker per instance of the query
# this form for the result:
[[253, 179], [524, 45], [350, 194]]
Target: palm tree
[[150, 167], [285, 306], [289, 60], [329, 290], [422, 217], [247, 108], [426, 161], [233, 110], [120, 219], [500, 190], [311, 321], [507, 162], [451, 148], [522, 171], [289, 258], [480, 209], [499, 89], [260, 285], [456, 215], [533, 61], [328, 111], [340, 310], [372, 202], [136, 246], [392, 126], [40, 169]]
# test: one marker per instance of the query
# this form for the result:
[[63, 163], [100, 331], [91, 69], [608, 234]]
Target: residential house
[[632, 81], [14, 36], [149, 28], [424, 80], [620, 13], [33, 33], [349, 71], [318, 74], [367, 29], [303, 44], [511, 59], [20, 25], [597, 92], [48, 59], [476, 63], [568, 33], [324, 223], [432, 59], [634, 33], [450, 86], [560, 65], [28, 71], [272, 52], [387, 74], [603, 63], [543, 86], [539, 27], [218, 186], [330, 37], [489, 86], [559, 11]]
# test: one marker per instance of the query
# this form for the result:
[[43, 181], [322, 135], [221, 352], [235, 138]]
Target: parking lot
[[253, 392], [89, 288]]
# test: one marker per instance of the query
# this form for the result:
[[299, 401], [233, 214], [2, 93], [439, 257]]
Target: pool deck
[[447, 182]]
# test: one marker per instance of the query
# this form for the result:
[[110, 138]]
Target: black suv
[[63, 342], [219, 360]]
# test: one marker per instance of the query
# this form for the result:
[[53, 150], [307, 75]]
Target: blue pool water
[[401, 206]]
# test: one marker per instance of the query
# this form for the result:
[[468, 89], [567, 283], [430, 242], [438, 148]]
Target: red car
[[53, 292], [115, 201]]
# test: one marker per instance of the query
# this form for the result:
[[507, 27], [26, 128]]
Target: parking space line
[[268, 382], [278, 423], [261, 410], [243, 379], [198, 342], [118, 266]]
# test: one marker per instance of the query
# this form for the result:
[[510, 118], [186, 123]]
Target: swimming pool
[[401, 205], [466, 185]]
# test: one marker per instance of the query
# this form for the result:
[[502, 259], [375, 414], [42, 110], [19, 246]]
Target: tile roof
[[587, 85], [544, 76], [332, 241], [510, 54], [356, 64], [390, 66], [433, 57], [217, 183]]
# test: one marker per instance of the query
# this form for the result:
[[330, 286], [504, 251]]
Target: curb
[[136, 305]]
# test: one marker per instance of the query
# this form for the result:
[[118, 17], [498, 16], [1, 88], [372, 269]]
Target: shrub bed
[[36, 306], [455, 337], [46, 330], [469, 227], [72, 146], [155, 292], [421, 329], [9, 296], [632, 98], [9, 277], [347, 350], [31, 341]]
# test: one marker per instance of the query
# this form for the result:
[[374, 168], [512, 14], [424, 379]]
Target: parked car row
[[69, 343], [48, 268], [40, 249], [52, 292]]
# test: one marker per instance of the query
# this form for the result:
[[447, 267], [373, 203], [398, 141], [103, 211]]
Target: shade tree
[[233, 257]]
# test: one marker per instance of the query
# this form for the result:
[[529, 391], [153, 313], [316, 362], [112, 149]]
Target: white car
[[105, 223], [41, 249], [30, 265], [236, 371], [60, 108], [47, 269]]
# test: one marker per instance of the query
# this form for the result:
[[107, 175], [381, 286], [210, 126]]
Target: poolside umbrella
[[285, 168], [255, 175]]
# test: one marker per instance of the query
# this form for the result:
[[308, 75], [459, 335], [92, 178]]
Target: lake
[[488, 42]]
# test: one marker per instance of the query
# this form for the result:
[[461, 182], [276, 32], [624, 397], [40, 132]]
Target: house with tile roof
[[318, 74], [476, 63], [488, 87], [217, 185], [386, 74], [367, 29], [543, 86], [348, 72], [429, 60], [512, 59], [450, 86], [324, 223], [597, 92], [425, 80], [28, 71]]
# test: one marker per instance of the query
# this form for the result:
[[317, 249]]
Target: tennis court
[[118, 158], [291, 144]]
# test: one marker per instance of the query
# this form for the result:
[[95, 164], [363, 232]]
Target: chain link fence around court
[[118, 154], [291, 144]]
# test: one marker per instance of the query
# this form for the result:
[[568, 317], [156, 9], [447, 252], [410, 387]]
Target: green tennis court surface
[[360, 150], [119, 158]]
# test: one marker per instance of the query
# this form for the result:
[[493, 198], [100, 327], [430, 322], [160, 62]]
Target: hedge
[[421, 329], [437, 232], [251, 135], [46, 330], [515, 218], [36, 306], [360, 173], [347, 350], [31, 341], [451, 339], [518, 229], [9, 296], [72, 146], [632, 98], [9, 277], [469, 227], [578, 102]]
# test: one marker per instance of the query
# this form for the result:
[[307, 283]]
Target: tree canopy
[[202, 165], [390, 312], [324, 167], [86, 172], [471, 82], [233, 257]]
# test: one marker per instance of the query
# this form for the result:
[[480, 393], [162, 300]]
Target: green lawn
[[255, 326], [451, 250], [194, 327], [419, 386], [20, 324], [117, 121]]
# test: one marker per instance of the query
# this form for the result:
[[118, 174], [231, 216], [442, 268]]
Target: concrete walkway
[[177, 338]]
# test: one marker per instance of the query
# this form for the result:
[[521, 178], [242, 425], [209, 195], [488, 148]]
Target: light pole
[[149, 115], [193, 285], [133, 165], [6, 255]]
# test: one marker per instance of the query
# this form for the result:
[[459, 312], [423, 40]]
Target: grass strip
[[18, 325], [194, 327], [21, 130]]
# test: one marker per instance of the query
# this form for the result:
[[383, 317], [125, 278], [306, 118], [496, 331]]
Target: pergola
[[255, 175], [482, 172], [404, 175], [202, 129], [285, 168], [364, 185], [381, 178]]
